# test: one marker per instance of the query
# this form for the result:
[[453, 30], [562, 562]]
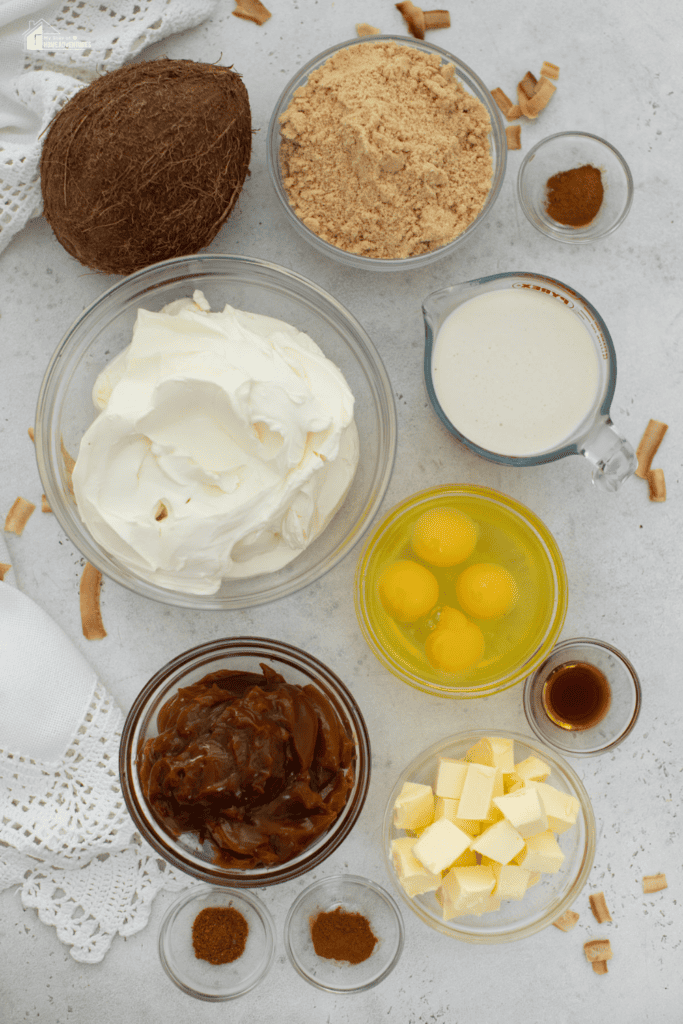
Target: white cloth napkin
[[65, 833], [87, 38]]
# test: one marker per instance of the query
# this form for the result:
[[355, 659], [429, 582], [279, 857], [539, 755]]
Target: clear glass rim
[[388, 901], [558, 763], [67, 355], [551, 551], [259, 908], [572, 448], [152, 696], [469, 79], [570, 235], [566, 645]]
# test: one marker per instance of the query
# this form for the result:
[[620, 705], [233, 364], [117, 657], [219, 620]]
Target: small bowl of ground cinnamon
[[217, 944], [575, 187], [344, 933]]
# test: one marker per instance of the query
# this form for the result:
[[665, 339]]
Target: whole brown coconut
[[146, 163]]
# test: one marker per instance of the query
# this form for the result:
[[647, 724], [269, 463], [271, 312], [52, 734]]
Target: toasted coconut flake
[[502, 101], [437, 19], [654, 883], [91, 616], [600, 966], [655, 478], [528, 85], [549, 70], [18, 516], [649, 443], [363, 29], [32, 434], [565, 922], [514, 112], [541, 97], [597, 949], [44, 505], [414, 18], [599, 907], [252, 10], [513, 133], [4, 569]]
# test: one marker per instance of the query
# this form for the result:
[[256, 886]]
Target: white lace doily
[[71, 844], [36, 83]]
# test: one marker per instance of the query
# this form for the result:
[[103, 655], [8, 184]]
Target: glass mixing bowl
[[543, 903], [498, 143], [298, 668], [509, 534], [65, 407]]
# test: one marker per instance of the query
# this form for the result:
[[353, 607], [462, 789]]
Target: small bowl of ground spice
[[386, 154], [217, 944], [575, 187], [344, 933]]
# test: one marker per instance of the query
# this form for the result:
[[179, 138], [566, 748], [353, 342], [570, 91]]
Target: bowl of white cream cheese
[[215, 431]]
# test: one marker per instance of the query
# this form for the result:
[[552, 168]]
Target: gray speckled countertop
[[619, 79]]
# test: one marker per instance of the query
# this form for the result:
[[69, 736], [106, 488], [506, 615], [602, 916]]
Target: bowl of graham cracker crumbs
[[386, 154]]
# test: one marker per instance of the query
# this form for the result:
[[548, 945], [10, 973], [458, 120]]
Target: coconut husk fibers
[[146, 163]]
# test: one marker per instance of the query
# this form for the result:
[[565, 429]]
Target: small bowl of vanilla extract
[[584, 699]]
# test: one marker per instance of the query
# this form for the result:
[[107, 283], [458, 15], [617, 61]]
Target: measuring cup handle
[[613, 458]]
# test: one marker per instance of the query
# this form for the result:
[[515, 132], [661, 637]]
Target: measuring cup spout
[[613, 458]]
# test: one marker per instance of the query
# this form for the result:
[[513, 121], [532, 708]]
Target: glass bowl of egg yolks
[[461, 591]]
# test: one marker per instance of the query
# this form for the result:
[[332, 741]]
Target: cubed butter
[[450, 778], [532, 768], [501, 842], [440, 844], [511, 782], [495, 751], [445, 808], [541, 853], [512, 881], [464, 890], [414, 806], [477, 791], [524, 810], [561, 809], [410, 873]]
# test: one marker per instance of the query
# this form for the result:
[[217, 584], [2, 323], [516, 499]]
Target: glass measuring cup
[[594, 436]]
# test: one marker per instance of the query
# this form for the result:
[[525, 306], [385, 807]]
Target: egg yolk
[[408, 590], [486, 590], [456, 644], [444, 536]]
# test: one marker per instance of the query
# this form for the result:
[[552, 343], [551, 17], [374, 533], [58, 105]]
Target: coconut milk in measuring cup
[[521, 369]]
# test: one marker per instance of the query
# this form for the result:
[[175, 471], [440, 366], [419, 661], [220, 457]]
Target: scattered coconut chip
[[31, 434], [513, 133], [649, 443], [565, 922], [541, 98], [363, 29], [91, 616], [437, 19], [18, 516], [514, 112], [597, 949], [522, 100], [654, 883], [528, 84], [600, 966], [414, 18], [599, 907], [4, 569], [549, 70], [503, 102], [655, 478], [44, 506], [252, 10]]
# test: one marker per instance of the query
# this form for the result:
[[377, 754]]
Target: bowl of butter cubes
[[489, 838]]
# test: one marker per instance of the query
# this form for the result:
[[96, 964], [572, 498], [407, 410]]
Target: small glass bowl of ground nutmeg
[[344, 933], [575, 187], [217, 944], [386, 153]]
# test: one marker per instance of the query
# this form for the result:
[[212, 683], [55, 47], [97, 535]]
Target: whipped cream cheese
[[224, 445]]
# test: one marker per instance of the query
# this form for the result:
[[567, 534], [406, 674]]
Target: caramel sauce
[[576, 696]]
